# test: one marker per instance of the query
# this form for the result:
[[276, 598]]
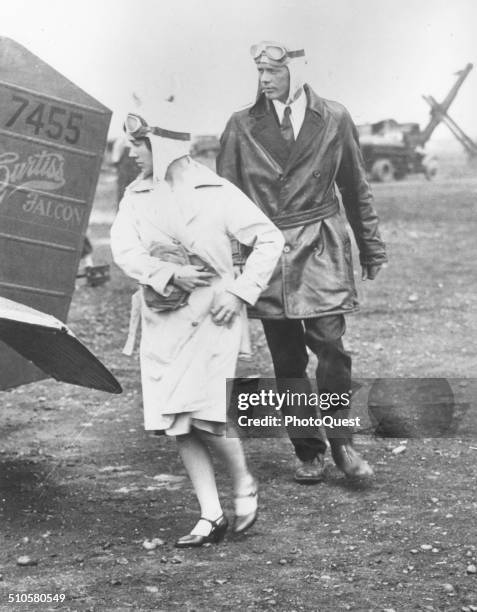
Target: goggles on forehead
[[137, 127], [274, 52]]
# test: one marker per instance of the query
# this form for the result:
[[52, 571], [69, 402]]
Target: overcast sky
[[376, 56]]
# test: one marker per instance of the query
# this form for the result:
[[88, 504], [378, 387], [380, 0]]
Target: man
[[287, 152]]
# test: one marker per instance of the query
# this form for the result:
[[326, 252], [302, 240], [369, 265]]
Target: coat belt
[[305, 217]]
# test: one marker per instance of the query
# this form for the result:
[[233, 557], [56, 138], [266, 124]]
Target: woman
[[187, 353]]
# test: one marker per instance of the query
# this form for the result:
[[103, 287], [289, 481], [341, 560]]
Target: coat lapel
[[311, 130], [266, 132], [186, 179]]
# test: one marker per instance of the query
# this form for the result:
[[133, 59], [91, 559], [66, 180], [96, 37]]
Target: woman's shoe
[[246, 510], [216, 534]]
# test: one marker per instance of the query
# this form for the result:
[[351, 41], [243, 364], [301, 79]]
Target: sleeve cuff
[[245, 291], [160, 279], [373, 260]]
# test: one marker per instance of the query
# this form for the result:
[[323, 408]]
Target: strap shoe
[[216, 533], [246, 510]]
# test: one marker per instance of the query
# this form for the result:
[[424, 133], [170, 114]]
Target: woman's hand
[[225, 307], [190, 277]]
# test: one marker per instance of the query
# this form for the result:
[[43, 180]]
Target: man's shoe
[[310, 472], [348, 460]]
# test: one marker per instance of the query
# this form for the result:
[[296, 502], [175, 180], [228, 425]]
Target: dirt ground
[[82, 486]]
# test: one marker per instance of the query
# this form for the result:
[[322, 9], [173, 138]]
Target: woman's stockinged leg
[[197, 461], [230, 451]]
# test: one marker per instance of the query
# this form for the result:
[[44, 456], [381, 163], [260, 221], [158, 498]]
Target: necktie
[[286, 127]]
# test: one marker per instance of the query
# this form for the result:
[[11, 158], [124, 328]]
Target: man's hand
[[190, 277], [370, 272], [225, 307]]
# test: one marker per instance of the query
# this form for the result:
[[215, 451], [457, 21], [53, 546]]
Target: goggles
[[274, 52], [136, 127]]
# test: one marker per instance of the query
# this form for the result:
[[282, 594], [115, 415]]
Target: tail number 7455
[[52, 121]]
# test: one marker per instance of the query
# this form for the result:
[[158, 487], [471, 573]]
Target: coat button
[[316, 173], [194, 323], [286, 248]]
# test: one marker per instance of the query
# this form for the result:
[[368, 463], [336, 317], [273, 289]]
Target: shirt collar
[[262, 106], [299, 104]]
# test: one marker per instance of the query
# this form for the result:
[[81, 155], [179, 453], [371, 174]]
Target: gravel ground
[[82, 486]]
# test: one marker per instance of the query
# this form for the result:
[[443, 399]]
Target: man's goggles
[[136, 127], [274, 52]]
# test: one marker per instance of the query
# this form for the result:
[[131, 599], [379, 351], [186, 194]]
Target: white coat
[[185, 357]]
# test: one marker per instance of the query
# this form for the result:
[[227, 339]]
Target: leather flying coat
[[296, 189]]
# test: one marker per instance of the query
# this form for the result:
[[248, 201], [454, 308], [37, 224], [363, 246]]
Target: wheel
[[383, 170], [399, 176], [430, 168]]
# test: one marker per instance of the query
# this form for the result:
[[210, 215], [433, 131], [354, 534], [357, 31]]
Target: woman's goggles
[[274, 52], [136, 127]]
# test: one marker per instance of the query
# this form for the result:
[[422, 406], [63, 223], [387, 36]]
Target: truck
[[392, 150]]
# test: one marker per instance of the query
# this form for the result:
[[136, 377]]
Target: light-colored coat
[[185, 357]]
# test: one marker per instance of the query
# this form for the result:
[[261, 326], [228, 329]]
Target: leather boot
[[344, 455], [310, 472], [348, 460]]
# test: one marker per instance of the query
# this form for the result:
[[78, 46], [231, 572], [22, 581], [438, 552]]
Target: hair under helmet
[[165, 131], [296, 64]]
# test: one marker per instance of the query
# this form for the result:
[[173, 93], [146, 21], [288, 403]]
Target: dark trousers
[[287, 340]]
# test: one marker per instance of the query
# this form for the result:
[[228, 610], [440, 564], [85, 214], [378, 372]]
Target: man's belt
[[327, 209], [305, 217]]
